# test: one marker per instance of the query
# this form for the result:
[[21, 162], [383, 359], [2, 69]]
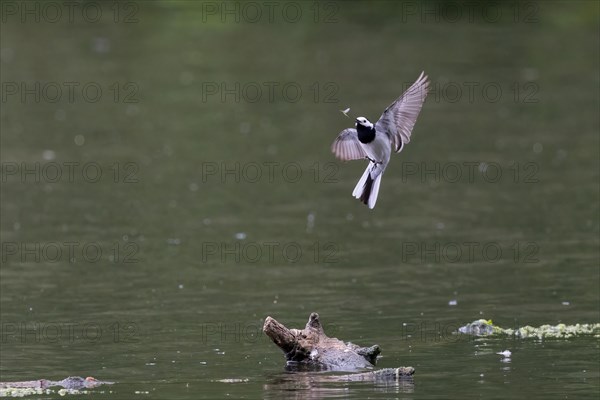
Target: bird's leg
[[373, 161]]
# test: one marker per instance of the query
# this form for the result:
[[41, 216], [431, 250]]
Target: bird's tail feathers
[[358, 189], [367, 188], [374, 192]]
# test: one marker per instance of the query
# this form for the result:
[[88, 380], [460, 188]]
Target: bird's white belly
[[379, 149]]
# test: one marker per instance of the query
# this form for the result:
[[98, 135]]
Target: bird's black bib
[[365, 135]]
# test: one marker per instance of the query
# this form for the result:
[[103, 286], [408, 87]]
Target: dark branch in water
[[311, 348]]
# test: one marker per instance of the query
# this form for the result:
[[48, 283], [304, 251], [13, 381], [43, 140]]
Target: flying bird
[[376, 142]]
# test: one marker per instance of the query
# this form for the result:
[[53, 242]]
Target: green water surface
[[148, 229]]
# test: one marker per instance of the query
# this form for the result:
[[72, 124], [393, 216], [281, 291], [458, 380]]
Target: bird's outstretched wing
[[347, 147], [398, 120]]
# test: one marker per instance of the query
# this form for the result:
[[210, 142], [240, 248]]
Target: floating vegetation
[[22, 392], [233, 380], [70, 385], [484, 327]]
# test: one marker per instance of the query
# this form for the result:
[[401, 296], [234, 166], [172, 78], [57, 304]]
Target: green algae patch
[[560, 331], [482, 327]]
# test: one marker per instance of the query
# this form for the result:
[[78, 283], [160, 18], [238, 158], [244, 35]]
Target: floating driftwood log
[[311, 347]]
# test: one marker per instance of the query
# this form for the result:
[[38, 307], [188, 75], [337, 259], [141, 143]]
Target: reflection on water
[[152, 221], [320, 385]]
